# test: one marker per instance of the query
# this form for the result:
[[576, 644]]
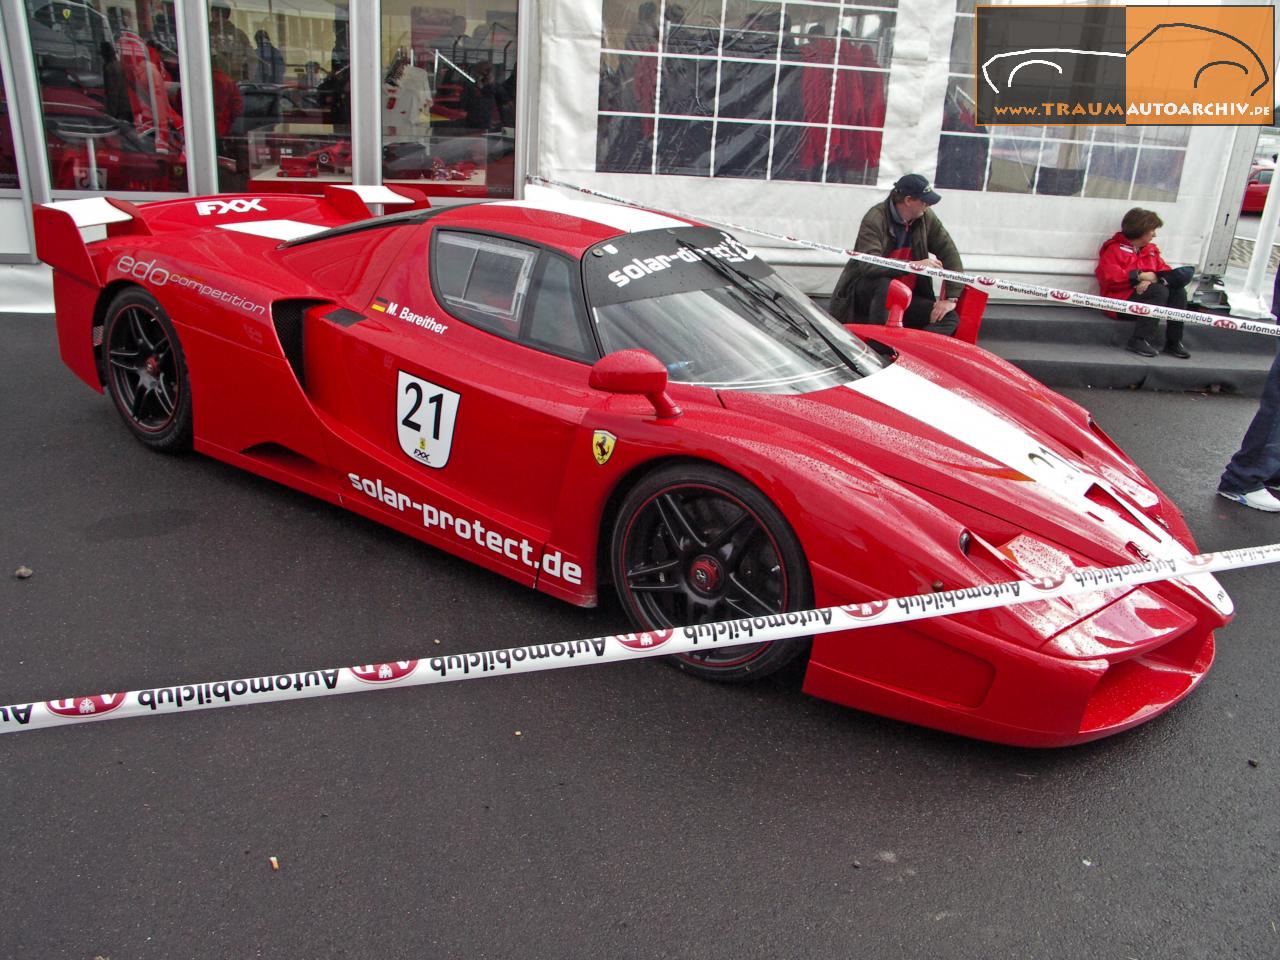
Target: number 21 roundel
[[425, 414]]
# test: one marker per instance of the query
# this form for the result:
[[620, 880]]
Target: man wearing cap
[[902, 227]]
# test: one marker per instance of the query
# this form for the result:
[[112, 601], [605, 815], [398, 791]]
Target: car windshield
[[716, 315]]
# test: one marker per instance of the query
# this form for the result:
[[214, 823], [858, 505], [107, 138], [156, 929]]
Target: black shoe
[[1175, 349], [1141, 348]]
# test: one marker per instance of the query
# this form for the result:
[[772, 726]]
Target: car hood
[[942, 440]]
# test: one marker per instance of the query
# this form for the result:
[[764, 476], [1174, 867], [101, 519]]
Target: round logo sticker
[[986, 281], [1139, 309], [645, 641], [384, 672], [82, 706], [866, 611], [1060, 295], [1047, 583]]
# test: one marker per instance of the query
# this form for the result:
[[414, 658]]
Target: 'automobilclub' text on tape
[[1128, 307], [626, 646]]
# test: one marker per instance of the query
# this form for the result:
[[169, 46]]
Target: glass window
[[556, 321], [448, 97], [8, 154], [483, 280], [1110, 171], [1158, 174], [109, 92], [1062, 163], [1013, 165], [781, 65], [717, 316], [281, 94]]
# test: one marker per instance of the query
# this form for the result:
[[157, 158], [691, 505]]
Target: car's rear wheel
[[146, 372], [695, 544]]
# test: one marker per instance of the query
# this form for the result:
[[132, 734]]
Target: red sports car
[[578, 395], [1255, 191]]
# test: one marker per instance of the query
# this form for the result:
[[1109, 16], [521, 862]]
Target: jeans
[[1257, 462], [1160, 295]]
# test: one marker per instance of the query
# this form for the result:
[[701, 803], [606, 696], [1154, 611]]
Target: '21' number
[[436, 401], [426, 435]]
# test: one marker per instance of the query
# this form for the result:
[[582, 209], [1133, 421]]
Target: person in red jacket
[[1130, 268]]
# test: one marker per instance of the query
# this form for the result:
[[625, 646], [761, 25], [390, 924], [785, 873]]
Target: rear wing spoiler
[[77, 285], [60, 244]]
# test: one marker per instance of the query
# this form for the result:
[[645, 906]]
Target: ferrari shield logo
[[602, 444]]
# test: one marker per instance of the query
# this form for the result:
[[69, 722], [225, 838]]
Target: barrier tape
[[300, 685], [982, 283]]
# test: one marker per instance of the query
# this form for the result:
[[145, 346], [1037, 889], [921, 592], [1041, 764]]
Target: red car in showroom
[[582, 397]]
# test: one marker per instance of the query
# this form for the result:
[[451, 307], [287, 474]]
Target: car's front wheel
[[694, 544], [146, 372]]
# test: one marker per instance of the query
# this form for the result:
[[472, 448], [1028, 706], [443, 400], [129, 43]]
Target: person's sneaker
[[1141, 348], [1175, 349], [1262, 499]]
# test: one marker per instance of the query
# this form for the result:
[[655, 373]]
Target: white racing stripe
[[275, 229], [299, 685], [626, 219], [372, 194], [1006, 443]]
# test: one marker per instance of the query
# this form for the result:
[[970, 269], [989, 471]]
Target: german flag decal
[[379, 304]]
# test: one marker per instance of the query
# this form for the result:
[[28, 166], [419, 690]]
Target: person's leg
[[1173, 344], [1256, 465], [1144, 328], [916, 316], [869, 300]]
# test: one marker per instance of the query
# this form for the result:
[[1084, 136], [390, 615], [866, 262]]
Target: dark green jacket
[[927, 236]]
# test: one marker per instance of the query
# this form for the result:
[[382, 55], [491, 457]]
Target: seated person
[[1130, 268], [901, 227]]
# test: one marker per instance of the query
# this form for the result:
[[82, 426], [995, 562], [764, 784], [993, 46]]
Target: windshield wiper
[[765, 296]]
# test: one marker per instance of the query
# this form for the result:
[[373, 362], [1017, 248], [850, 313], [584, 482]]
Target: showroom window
[[9, 179], [1115, 162], [281, 94], [109, 91], [448, 97], [745, 88]]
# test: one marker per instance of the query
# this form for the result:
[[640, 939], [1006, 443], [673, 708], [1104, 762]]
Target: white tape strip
[[627, 646], [982, 283]]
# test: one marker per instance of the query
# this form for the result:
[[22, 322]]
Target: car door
[[466, 384]]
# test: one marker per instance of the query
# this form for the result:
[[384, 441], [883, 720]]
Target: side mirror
[[635, 372], [896, 302]]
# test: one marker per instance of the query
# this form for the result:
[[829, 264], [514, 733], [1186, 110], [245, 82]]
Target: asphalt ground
[[618, 811]]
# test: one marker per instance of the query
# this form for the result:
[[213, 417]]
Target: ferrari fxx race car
[[581, 396]]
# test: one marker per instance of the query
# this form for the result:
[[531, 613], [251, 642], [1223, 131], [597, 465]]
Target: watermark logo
[[1093, 65]]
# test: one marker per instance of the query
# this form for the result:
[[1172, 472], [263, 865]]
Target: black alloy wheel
[[696, 544], [146, 373]]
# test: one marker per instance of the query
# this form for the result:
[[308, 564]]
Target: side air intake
[[287, 316]]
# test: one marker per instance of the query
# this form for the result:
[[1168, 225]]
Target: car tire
[[146, 372], [694, 543]]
